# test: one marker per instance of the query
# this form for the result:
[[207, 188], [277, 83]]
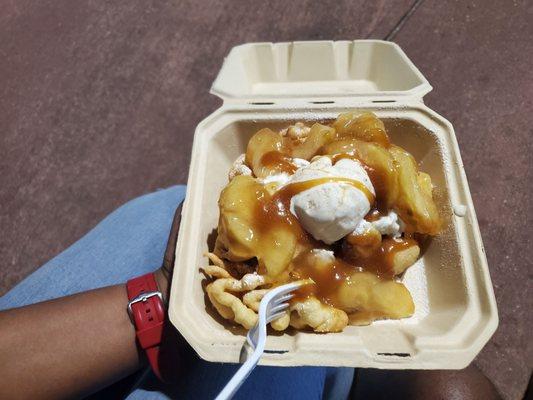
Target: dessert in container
[[277, 84]]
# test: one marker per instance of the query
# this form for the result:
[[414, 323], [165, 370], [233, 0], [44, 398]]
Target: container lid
[[319, 69]]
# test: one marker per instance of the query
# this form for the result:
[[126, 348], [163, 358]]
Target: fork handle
[[240, 376]]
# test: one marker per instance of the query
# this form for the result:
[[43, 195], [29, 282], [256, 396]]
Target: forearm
[[67, 347]]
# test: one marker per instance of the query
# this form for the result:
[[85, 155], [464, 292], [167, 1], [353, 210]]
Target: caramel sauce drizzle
[[329, 277], [378, 180], [274, 210], [292, 189], [277, 161], [381, 261]]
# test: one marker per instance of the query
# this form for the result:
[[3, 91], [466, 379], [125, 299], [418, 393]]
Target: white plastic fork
[[272, 306]]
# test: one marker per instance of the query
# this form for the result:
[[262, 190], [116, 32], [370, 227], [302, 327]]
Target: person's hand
[[164, 274], [175, 353]]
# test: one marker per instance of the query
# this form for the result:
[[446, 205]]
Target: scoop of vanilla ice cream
[[330, 211]]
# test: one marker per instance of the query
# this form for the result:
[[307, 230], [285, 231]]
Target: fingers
[[168, 260]]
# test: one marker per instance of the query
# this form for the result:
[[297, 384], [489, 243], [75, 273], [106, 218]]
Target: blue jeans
[[130, 242]]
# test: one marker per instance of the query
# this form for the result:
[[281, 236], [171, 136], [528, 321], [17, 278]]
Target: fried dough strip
[[215, 260], [319, 316], [227, 304], [310, 312], [253, 299]]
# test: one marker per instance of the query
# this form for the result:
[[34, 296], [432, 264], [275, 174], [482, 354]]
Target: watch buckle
[[142, 297]]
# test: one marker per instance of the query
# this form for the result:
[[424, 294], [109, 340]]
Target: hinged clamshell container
[[277, 84]]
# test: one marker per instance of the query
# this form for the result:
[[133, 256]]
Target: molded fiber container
[[274, 85]]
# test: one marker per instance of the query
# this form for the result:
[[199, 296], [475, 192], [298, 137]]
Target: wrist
[[147, 294]]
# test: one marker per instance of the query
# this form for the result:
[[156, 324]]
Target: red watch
[[147, 312]]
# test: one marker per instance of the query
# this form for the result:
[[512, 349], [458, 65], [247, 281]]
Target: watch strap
[[147, 312]]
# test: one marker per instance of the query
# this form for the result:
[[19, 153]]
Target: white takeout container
[[273, 85]]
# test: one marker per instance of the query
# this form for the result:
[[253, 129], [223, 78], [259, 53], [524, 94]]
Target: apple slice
[[366, 127]]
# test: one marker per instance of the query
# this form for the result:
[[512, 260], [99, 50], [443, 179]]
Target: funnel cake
[[335, 205]]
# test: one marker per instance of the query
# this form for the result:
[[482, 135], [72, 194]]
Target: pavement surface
[[99, 101]]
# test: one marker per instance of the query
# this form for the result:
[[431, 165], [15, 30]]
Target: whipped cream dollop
[[239, 167], [331, 210], [389, 224], [325, 256], [282, 178]]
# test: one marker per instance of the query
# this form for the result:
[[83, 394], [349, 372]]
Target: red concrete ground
[[99, 103]]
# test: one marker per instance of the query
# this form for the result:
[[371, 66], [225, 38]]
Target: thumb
[[170, 252]]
